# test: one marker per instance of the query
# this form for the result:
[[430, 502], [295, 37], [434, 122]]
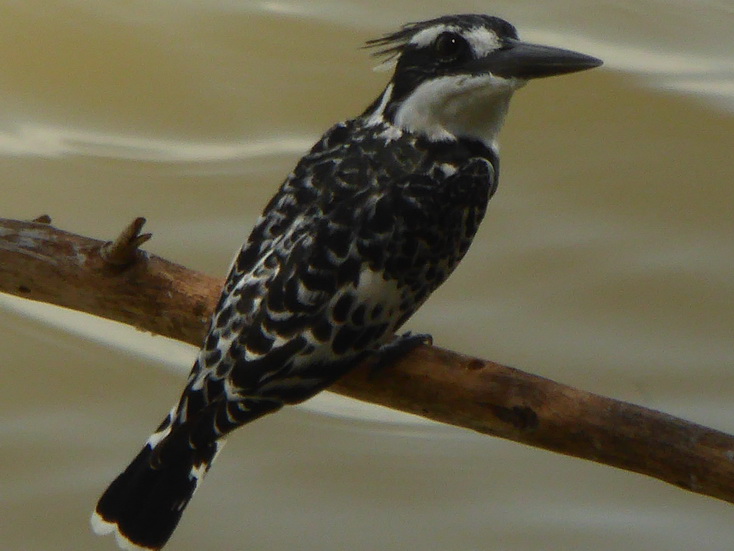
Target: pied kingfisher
[[371, 221]]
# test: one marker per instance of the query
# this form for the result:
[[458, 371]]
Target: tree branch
[[118, 281]]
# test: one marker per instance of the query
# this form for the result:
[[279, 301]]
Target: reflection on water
[[54, 141], [605, 262]]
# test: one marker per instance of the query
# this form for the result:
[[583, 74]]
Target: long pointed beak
[[525, 61]]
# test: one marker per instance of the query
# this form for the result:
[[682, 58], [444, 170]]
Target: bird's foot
[[401, 345]]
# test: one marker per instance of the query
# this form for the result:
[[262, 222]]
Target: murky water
[[605, 261]]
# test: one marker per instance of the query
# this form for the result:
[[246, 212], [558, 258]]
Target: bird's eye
[[449, 46]]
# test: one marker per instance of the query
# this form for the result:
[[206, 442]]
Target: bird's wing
[[309, 301]]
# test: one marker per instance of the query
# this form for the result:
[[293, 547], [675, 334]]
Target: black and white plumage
[[371, 221]]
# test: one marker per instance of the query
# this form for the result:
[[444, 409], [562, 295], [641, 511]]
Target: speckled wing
[[310, 307]]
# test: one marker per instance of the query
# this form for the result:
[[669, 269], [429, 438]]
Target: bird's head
[[454, 75]]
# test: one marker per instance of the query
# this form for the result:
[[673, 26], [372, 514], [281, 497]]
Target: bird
[[367, 225]]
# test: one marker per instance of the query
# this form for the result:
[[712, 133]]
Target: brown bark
[[118, 281]]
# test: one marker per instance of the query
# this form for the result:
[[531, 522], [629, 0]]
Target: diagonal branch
[[42, 263]]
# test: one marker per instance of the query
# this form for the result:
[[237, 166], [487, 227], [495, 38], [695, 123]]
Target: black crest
[[392, 45]]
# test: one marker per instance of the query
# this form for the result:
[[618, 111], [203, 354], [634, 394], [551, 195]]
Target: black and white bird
[[371, 221]]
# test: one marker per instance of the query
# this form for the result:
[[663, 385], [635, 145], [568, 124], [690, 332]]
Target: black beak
[[525, 61]]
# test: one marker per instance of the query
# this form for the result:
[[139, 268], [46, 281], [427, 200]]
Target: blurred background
[[605, 262]]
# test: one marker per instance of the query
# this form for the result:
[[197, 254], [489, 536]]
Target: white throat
[[458, 106]]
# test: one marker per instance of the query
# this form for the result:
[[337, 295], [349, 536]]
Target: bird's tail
[[143, 505]]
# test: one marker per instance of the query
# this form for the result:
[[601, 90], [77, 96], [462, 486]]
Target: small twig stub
[[124, 250], [43, 219]]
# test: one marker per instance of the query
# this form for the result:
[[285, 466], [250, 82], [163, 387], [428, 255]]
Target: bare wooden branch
[[40, 262]]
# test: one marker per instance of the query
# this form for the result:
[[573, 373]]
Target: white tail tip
[[101, 527]]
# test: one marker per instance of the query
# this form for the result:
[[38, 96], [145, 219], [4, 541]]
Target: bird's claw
[[401, 345]]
